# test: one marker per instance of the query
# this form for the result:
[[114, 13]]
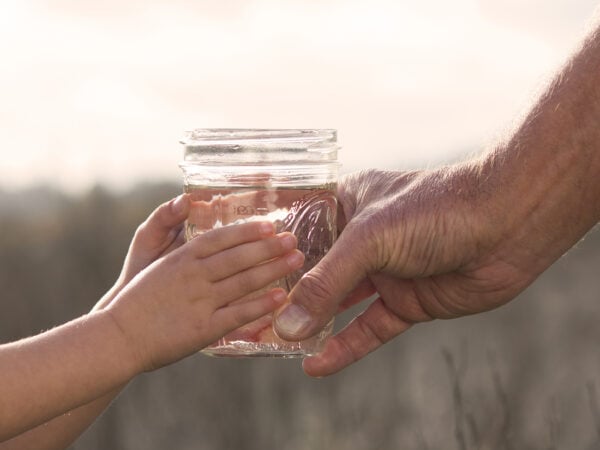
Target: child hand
[[184, 301], [158, 235]]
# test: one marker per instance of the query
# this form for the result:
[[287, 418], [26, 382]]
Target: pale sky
[[102, 91]]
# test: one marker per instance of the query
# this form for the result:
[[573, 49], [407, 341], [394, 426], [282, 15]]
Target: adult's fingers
[[362, 291], [368, 331], [317, 295]]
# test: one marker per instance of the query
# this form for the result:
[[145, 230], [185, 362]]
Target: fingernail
[[288, 242], [292, 320], [279, 296], [267, 228], [179, 204], [295, 259]]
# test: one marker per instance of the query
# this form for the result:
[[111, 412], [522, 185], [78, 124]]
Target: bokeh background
[[93, 99]]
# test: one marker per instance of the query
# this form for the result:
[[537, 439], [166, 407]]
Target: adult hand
[[463, 239], [432, 245], [422, 243]]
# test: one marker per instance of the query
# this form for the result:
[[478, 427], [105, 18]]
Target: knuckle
[[385, 329], [141, 230], [182, 269], [376, 237], [239, 316], [278, 247], [246, 282], [315, 293], [264, 249]]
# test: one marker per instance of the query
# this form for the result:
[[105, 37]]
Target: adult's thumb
[[315, 298]]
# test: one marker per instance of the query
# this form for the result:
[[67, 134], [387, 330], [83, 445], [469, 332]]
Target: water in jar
[[307, 212]]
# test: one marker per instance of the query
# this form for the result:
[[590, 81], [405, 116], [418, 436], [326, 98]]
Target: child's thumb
[[163, 221]]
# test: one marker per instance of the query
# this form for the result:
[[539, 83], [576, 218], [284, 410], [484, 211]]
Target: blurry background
[[93, 99]]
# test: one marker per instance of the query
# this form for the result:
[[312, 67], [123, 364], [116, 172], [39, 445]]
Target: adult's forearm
[[53, 373], [542, 186]]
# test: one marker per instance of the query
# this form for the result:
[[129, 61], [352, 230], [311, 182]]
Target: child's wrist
[[109, 296], [130, 358]]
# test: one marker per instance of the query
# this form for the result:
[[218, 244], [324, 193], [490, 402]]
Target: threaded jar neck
[[219, 146]]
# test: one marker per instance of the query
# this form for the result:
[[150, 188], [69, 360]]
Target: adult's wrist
[[542, 185]]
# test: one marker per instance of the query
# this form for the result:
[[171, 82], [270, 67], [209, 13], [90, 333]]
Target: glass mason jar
[[286, 176]]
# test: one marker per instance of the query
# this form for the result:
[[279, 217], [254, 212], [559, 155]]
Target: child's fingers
[[249, 296], [234, 316], [178, 242], [251, 331], [242, 257], [219, 239], [159, 229], [256, 277]]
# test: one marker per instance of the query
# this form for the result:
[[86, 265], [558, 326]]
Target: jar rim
[[205, 136], [258, 144]]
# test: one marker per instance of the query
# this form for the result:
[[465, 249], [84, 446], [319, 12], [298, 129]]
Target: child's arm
[[156, 237], [173, 308]]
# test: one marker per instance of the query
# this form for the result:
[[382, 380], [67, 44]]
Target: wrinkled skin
[[431, 245], [416, 241], [458, 240]]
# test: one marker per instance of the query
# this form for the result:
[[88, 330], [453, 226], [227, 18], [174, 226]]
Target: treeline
[[60, 253], [522, 377]]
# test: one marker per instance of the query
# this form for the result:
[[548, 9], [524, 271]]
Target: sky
[[101, 92]]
